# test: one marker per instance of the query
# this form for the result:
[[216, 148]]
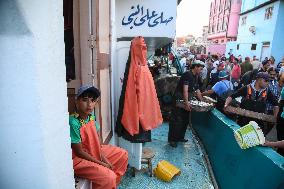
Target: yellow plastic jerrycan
[[166, 171]]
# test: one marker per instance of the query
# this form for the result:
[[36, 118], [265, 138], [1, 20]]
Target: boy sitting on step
[[103, 165]]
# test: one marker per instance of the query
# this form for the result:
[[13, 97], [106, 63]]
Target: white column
[[34, 131]]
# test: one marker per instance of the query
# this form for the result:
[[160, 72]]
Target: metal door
[[265, 51]]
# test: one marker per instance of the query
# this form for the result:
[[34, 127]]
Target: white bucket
[[249, 135]]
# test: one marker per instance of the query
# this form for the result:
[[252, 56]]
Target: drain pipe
[[205, 157], [114, 140]]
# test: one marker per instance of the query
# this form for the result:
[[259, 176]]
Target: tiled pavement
[[187, 156]]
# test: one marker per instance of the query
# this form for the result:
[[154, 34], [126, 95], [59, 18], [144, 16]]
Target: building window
[[224, 25], [244, 20], [215, 7], [228, 2], [238, 46], [253, 47], [220, 6], [217, 27], [268, 13], [266, 43]]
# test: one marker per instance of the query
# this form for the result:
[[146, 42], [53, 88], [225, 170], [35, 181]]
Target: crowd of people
[[247, 83]]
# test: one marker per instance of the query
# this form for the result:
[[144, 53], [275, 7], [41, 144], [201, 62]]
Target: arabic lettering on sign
[[139, 16]]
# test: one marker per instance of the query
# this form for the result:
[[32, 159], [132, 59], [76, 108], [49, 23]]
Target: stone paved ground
[[187, 157]]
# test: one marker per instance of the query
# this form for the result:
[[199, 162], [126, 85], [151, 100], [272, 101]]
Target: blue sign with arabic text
[[140, 16]]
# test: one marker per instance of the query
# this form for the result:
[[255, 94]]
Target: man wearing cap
[[255, 97], [215, 73], [221, 89], [103, 165], [189, 85], [279, 123]]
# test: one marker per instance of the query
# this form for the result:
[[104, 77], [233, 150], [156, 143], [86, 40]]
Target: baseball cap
[[191, 56], [222, 64], [216, 63], [197, 62], [90, 89], [223, 74], [263, 75]]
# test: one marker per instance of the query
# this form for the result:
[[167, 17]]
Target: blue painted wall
[[231, 48], [278, 39], [265, 30], [249, 4], [234, 168]]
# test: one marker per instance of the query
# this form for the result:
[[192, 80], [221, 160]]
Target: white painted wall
[[34, 138]]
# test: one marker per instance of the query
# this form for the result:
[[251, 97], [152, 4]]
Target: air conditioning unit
[[252, 29]]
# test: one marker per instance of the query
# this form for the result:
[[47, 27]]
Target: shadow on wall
[[15, 24], [233, 167]]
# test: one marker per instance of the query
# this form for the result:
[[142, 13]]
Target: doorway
[[87, 55], [265, 51]]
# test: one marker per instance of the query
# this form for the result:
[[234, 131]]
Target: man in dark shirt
[[189, 85], [265, 66], [255, 97], [248, 77], [246, 66]]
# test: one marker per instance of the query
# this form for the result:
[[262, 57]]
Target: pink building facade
[[223, 24]]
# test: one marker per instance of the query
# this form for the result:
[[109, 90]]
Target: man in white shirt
[[183, 63], [281, 64], [256, 64]]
